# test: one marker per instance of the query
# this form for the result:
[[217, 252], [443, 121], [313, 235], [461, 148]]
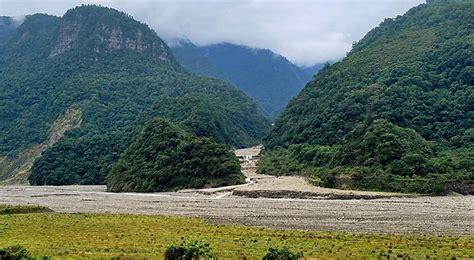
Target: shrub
[[14, 252], [191, 251], [282, 254], [22, 209]]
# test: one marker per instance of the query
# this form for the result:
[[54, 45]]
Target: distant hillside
[[111, 72], [7, 28], [194, 59], [270, 79], [369, 120]]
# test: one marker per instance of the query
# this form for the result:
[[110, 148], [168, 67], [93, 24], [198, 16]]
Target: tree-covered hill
[[270, 79], [194, 59], [7, 28], [115, 71], [415, 72], [164, 157]]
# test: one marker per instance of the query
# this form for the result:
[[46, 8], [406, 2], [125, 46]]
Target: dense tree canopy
[[270, 79], [164, 157], [7, 28], [117, 72], [416, 73]]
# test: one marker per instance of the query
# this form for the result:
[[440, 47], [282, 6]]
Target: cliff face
[[110, 39], [107, 31], [67, 36]]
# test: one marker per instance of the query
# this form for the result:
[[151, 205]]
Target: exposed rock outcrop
[[68, 35], [100, 33]]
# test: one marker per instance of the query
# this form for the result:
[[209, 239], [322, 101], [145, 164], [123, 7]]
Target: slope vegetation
[[396, 114], [270, 79], [7, 28], [164, 157], [113, 70]]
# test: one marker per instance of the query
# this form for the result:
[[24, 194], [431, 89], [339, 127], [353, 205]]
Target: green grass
[[92, 235]]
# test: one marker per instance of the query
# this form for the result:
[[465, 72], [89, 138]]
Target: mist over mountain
[[270, 79], [7, 28]]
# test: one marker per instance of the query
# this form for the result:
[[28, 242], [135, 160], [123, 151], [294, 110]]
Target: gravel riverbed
[[431, 215], [285, 202]]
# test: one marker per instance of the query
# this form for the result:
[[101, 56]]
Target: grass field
[[90, 235]]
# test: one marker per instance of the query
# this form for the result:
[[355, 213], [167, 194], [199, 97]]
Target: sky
[[304, 31]]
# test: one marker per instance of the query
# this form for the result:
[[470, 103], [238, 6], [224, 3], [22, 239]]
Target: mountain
[[369, 120], [7, 28], [270, 79], [194, 59], [75, 90], [176, 160]]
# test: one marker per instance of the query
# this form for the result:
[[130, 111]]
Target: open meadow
[[97, 235]]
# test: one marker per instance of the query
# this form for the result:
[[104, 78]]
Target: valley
[[114, 144]]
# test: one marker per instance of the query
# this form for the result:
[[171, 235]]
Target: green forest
[[267, 77], [119, 74], [396, 114], [164, 157]]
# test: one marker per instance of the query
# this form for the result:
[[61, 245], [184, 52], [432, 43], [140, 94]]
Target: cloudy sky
[[304, 31]]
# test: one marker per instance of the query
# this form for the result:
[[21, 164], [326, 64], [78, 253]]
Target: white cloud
[[18, 19], [305, 31]]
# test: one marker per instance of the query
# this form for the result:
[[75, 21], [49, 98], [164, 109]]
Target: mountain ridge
[[269, 78], [7, 28], [415, 73], [113, 70]]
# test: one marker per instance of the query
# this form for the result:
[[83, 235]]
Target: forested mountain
[[194, 59], [7, 28], [175, 160], [270, 79], [96, 76], [396, 114]]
